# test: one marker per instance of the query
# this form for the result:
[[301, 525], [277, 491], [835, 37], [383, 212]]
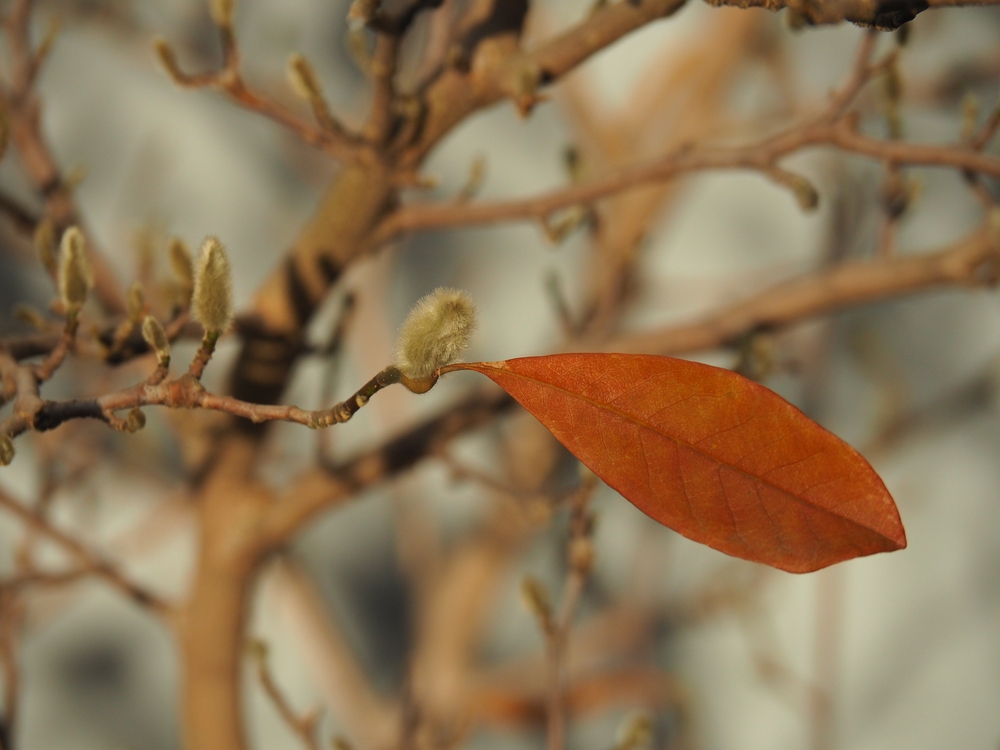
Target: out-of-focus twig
[[89, 561], [303, 725]]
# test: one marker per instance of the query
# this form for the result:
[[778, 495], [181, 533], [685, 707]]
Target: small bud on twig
[[302, 77], [212, 303], [970, 116], [361, 13], [135, 420], [168, 59], [806, 195], [48, 41], [157, 339], [435, 333], [475, 180], [76, 277], [804, 191], [45, 244], [135, 302], [536, 600], [222, 12], [31, 316], [6, 450], [634, 733], [183, 266]]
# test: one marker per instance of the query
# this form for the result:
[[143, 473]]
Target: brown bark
[[211, 627]]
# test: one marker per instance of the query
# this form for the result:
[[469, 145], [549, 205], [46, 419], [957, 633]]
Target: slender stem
[[89, 560], [203, 355], [580, 558]]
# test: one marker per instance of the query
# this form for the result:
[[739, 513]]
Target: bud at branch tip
[[212, 302], [435, 333], [76, 277], [156, 337]]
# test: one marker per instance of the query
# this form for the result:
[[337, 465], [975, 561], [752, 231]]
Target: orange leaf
[[715, 456]]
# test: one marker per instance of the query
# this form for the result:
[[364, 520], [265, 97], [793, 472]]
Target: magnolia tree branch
[[973, 261], [21, 112], [876, 13], [761, 157], [328, 134]]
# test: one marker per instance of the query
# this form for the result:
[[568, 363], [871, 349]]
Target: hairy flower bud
[[157, 339], [212, 303], [75, 274], [6, 450], [435, 333]]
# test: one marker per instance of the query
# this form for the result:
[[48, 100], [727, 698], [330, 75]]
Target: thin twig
[[89, 561], [305, 725], [330, 136], [580, 558]]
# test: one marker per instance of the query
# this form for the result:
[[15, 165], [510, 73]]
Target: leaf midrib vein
[[608, 407]]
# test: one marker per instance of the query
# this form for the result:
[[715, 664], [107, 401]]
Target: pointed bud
[[302, 77], [157, 339], [257, 650], [45, 244], [536, 600], [135, 420], [135, 302], [47, 41], [6, 450], [183, 265], [435, 333], [970, 116], [222, 12], [806, 194], [168, 59], [212, 303], [75, 274], [31, 316]]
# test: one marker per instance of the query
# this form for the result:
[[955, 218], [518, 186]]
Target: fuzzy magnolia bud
[[157, 339], [212, 302], [75, 274], [6, 450], [435, 333]]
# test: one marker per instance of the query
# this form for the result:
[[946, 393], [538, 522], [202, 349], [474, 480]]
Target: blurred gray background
[[908, 644]]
